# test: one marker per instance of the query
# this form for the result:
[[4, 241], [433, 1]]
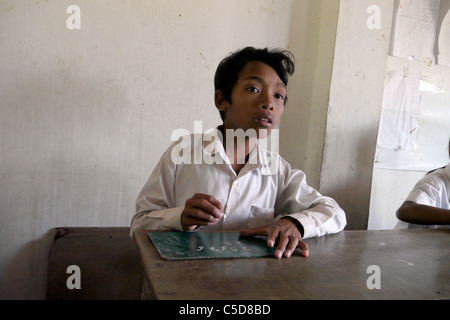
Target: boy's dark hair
[[281, 60]]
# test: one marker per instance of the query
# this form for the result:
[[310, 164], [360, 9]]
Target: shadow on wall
[[349, 186], [312, 40]]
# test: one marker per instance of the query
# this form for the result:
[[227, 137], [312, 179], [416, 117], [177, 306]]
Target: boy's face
[[257, 100]]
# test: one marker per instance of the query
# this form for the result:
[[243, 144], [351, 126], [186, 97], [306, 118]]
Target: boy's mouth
[[265, 121]]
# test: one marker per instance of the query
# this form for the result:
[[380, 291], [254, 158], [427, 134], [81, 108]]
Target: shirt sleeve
[[427, 191], [155, 205], [319, 215]]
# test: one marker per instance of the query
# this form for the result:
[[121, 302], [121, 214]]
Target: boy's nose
[[265, 107], [266, 101]]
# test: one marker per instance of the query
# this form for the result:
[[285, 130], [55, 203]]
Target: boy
[[428, 203], [240, 191]]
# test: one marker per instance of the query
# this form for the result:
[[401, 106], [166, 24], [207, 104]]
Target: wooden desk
[[413, 264]]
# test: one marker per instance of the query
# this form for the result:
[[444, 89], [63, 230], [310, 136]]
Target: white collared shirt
[[432, 190], [266, 189]]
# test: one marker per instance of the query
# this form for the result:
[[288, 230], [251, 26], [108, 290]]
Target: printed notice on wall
[[414, 126], [419, 30], [401, 111]]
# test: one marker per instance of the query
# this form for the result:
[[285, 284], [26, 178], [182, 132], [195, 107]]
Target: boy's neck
[[239, 151]]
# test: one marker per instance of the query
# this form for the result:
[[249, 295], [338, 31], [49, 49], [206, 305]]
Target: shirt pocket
[[259, 217]]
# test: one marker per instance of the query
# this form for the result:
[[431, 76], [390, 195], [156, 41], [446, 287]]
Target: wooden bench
[[108, 261]]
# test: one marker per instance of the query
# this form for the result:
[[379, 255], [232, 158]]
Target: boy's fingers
[[283, 241], [215, 202], [304, 247], [200, 216], [273, 235], [293, 242], [260, 231], [286, 245], [203, 206], [201, 210], [209, 198], [191, 224], [207, 207], [208, 204]]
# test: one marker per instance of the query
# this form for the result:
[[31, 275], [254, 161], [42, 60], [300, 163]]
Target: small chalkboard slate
[[208, 245]]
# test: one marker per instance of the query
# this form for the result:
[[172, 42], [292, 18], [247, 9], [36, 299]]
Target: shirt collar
[[267, 161]]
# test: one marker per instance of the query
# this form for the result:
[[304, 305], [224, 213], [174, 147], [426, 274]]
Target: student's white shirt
[[432, 190], [266, 189]]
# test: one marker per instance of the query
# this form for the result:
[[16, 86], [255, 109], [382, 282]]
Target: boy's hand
[[287, 233], [201, 210]]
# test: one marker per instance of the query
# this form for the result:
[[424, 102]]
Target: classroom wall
[[86, 114], [391, 186], [302, 131], [354, 109], [404, 156]]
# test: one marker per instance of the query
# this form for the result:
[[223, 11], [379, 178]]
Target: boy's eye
[[252, 89], [279, 96]]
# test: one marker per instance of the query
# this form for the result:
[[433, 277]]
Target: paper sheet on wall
[[401, 111], [414, 126], [414, 29]]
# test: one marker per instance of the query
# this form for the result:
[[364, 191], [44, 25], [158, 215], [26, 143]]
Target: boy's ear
[[220, 101]]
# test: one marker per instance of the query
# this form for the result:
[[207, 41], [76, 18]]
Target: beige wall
[[303, 124], [356, 95], [86, 114]]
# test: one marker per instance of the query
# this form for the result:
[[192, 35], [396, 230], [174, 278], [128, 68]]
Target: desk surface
[[413, 264]]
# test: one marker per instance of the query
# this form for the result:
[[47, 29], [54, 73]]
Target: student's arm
[[412, 212], [156, 208], [155, 205], [319, 215], [304, 213]]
